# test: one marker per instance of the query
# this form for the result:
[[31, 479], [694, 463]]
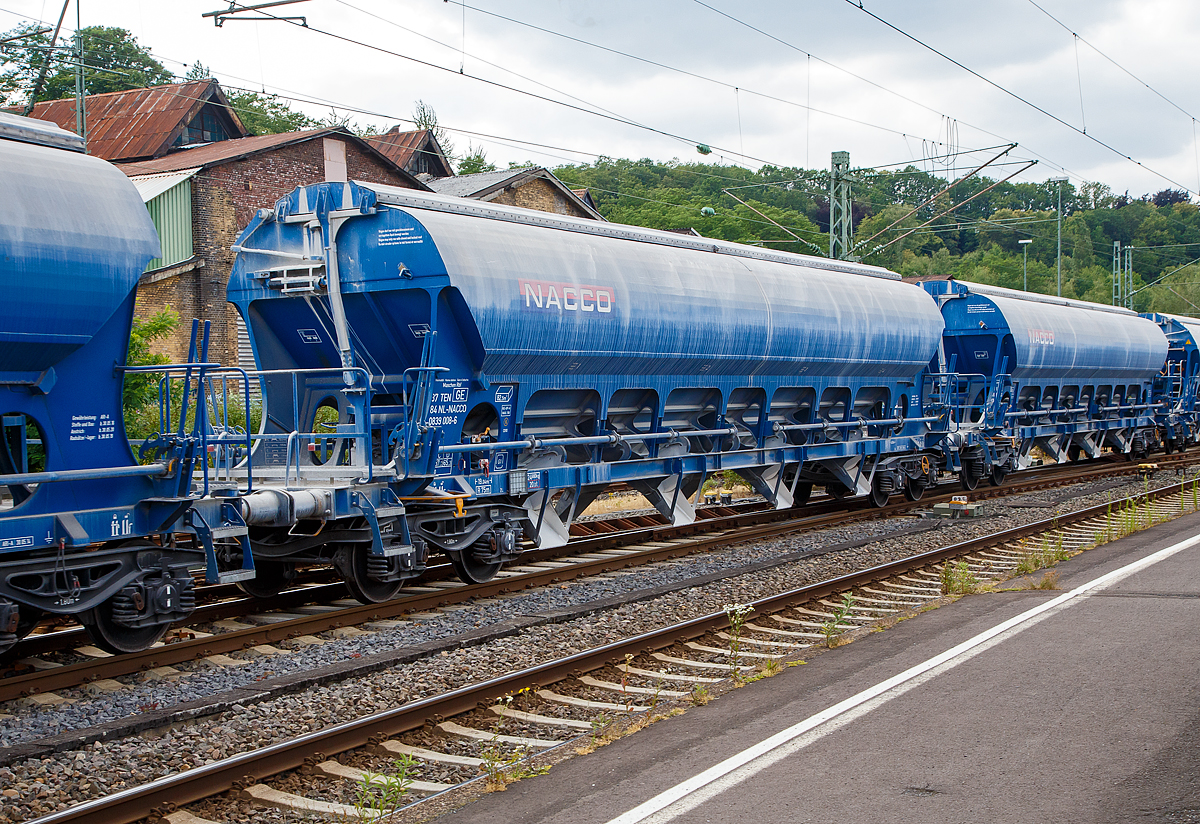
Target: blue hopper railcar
[[480, 372], [1178, 383], [1065, 376], [85, 530]]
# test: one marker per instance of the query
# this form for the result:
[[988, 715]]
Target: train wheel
[[117, 638], [803, 493], [968, 479], [879, 497], [471, 569], [1073, 452], [914, 489], [270, 578], [1138, 451], [996, 476], [355, 563]]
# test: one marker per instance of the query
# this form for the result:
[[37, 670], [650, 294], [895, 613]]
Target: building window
[[206, 127]]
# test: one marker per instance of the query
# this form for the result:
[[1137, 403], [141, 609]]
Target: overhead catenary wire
[[495, 137], [938, 194], [1100, 52], [505, 87], [1014, 95], [958, 205], [658, 64], [543, 147], [309, 99]]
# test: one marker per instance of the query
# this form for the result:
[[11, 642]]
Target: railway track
[[565, 704], [321, 608]]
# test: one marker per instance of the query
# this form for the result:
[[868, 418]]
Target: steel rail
[[167, 793], [758, 525]]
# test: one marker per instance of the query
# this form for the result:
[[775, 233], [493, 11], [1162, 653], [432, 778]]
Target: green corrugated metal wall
[[172, 215]]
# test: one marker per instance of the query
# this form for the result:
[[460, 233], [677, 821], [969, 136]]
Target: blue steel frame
[[297, 321], [1176, 387], [1000, 431]]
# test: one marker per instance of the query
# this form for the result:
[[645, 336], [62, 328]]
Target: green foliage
[[424, 117], [836, 625], [113, 60], [378, 795], [259, 113], [957, 579], [141, 390], [737, 615], [976, 242], [475, 161], [267, 114], [672, 196]]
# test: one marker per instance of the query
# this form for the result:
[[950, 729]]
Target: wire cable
[[1014, 95]]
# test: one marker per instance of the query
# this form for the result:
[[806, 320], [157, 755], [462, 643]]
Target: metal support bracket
[[230, 525], [372, 513]]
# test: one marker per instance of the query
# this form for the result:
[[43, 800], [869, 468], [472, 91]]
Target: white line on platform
[[687, 795]]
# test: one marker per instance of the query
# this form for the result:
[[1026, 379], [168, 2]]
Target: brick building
[[531, 187], [208, 194]]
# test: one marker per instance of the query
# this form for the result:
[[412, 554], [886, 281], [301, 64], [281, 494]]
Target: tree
[[475, 161], [141, 390], [266, 114], [424, 117], [113, 61], [21, 60], [1167, 197], [259, 113]]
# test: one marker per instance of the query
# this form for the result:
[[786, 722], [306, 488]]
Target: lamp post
[[1025, 248], [1060, 181]]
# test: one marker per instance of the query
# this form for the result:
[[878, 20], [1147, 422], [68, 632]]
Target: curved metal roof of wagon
[[74, 239], [1190, 326], [676, 297], [1061, 339]]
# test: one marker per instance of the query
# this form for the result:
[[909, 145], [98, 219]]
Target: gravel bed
[[39, 786]]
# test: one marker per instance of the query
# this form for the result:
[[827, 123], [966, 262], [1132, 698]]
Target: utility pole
[[1025, 248], [841, 217], [1129, 277], [41, 78], [80, 105], [1118, 277], [1060, 181]]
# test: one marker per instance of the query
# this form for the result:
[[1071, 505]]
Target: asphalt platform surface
[[1088, 711]]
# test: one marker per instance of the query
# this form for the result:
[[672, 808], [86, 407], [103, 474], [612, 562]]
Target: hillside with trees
[[977, 242]]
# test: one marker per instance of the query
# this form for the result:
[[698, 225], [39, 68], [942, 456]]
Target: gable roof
[[585, 195], [487, 185], [408, 149], [141, 123], [208, 155]]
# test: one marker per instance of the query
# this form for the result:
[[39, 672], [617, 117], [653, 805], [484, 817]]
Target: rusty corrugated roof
[[213, 154], [227, 151], [399, 147], [139, 123], [402, 147]]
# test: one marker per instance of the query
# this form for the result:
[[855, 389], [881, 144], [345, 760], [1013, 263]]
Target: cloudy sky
[[1107, 93]]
